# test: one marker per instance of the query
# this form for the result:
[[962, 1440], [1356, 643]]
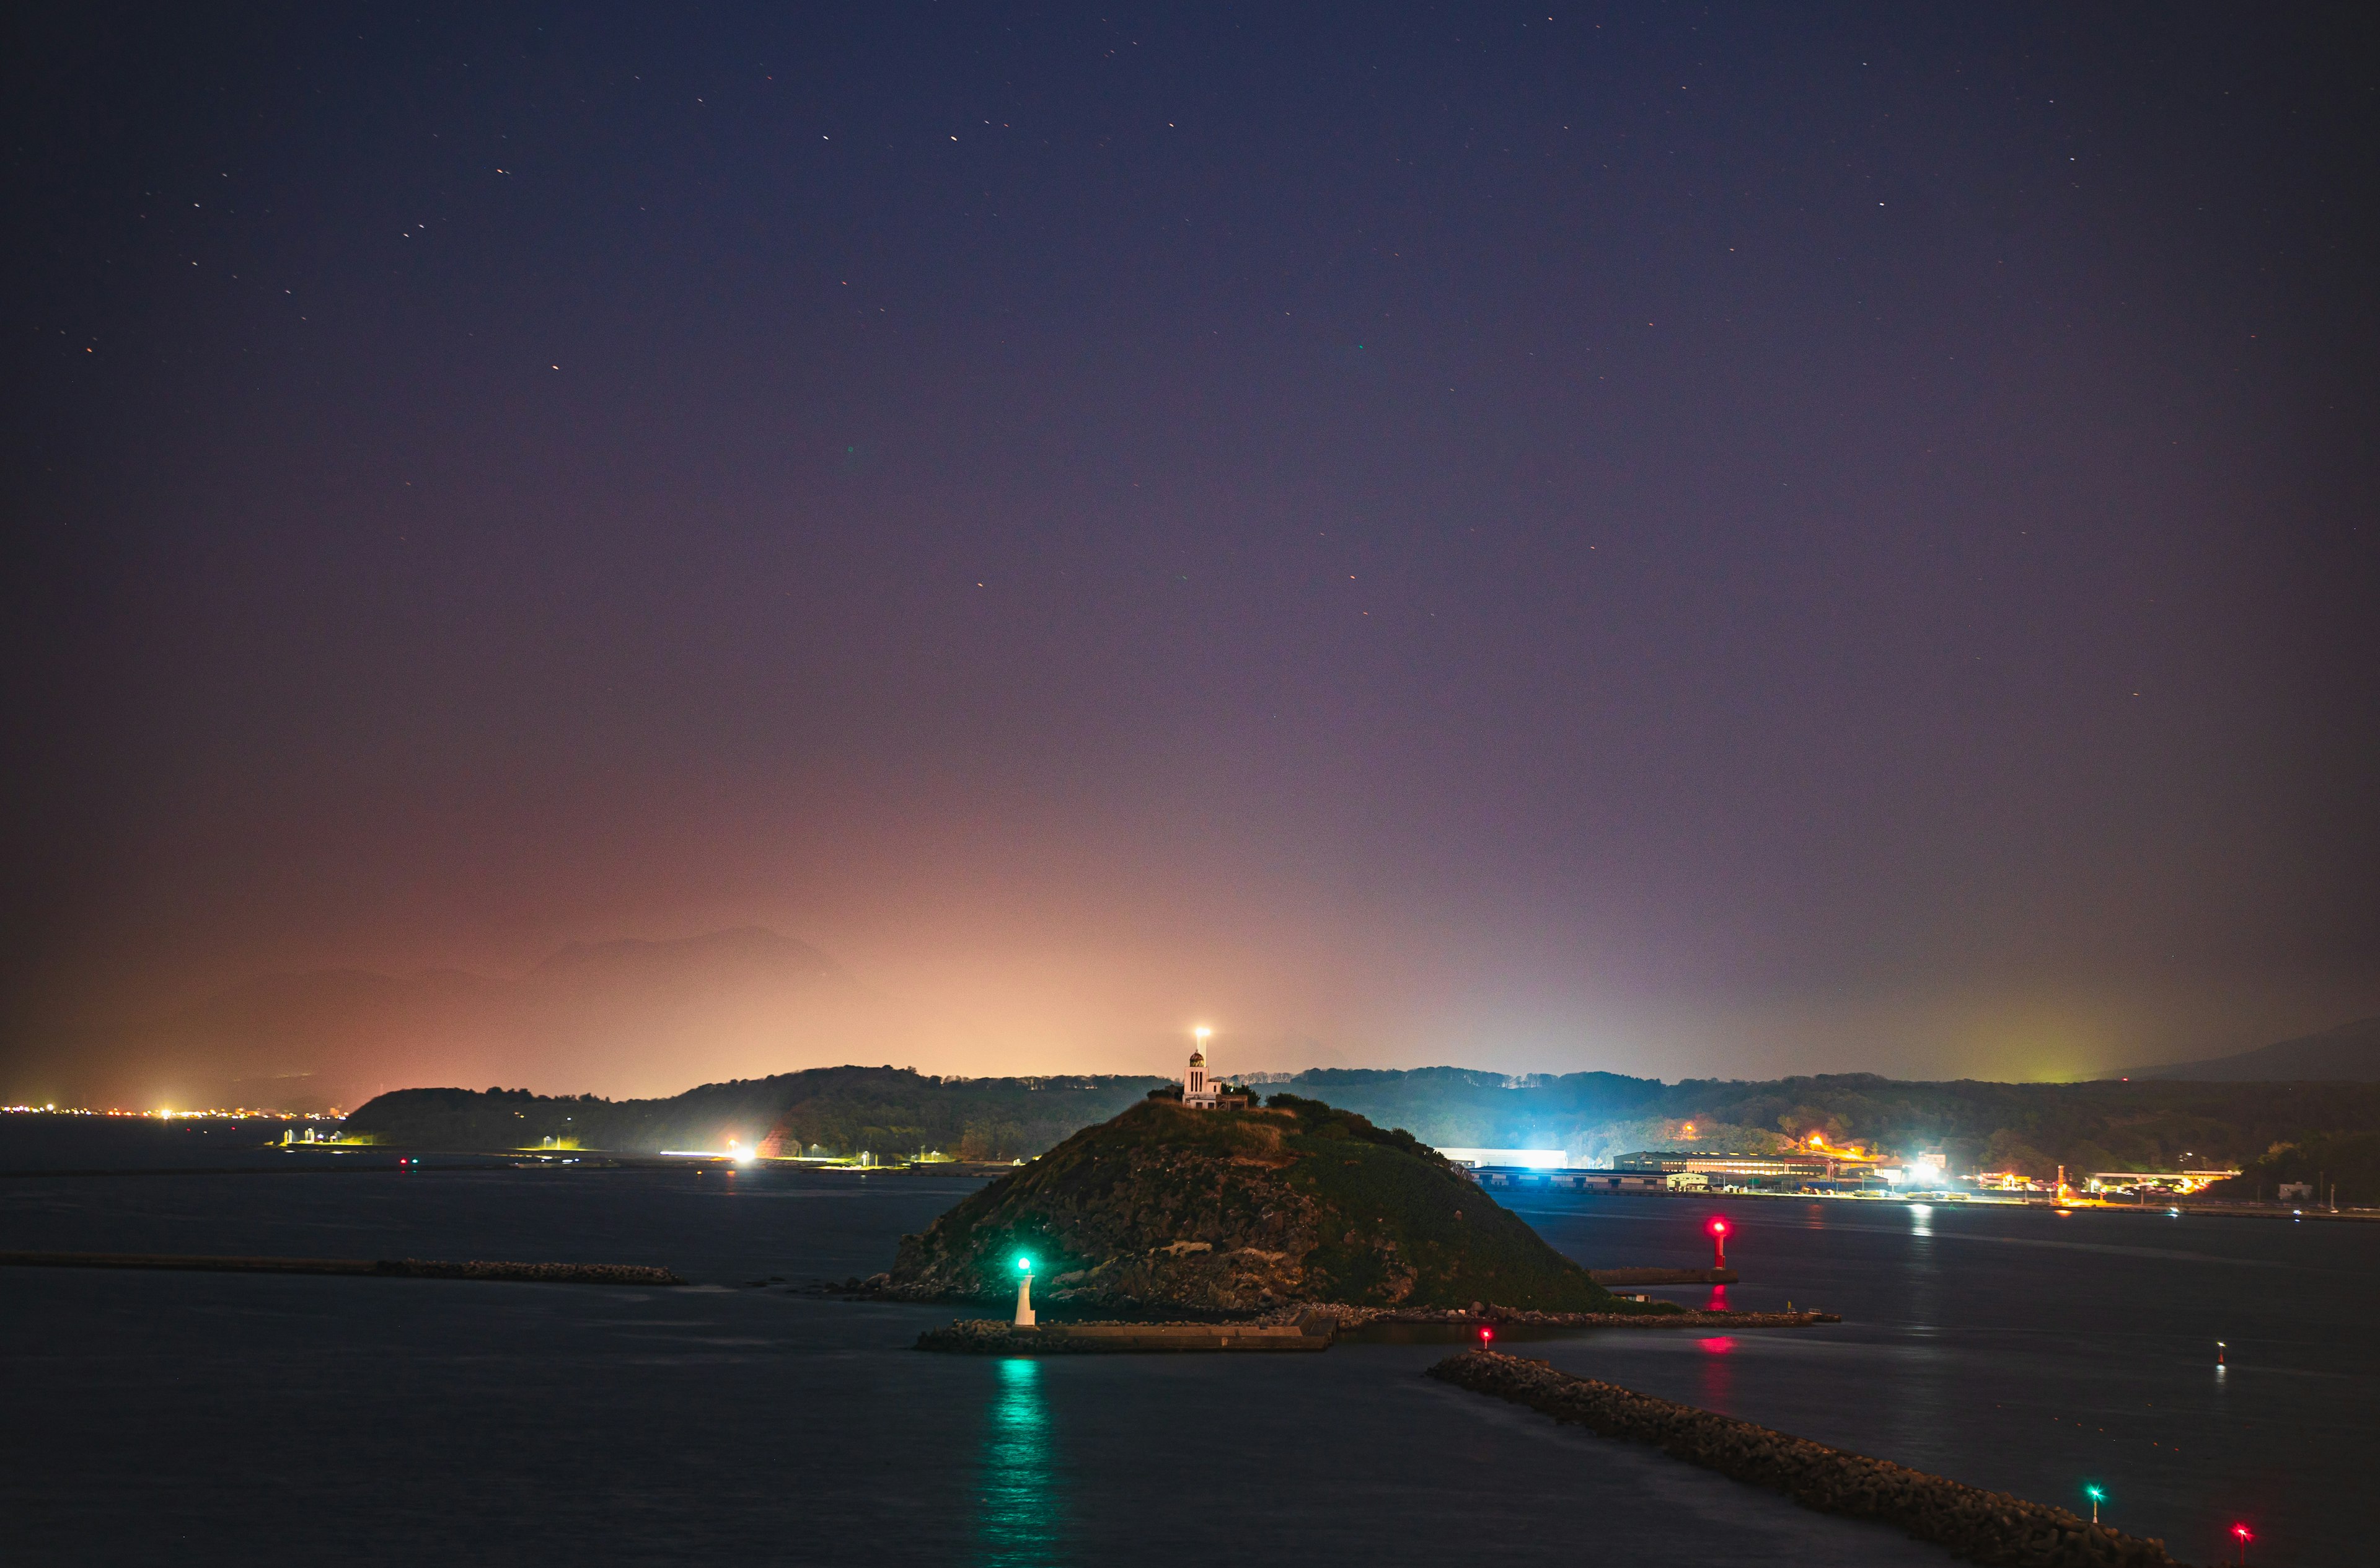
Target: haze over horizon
[[1681, 543]]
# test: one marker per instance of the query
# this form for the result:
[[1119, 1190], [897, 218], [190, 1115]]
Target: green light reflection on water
[[1020, 1514]]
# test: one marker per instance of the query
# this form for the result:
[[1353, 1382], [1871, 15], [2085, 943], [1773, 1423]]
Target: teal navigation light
[[1024, 1290], [2097, 1496]]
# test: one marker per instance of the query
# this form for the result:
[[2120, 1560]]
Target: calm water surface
[[215, 1418]]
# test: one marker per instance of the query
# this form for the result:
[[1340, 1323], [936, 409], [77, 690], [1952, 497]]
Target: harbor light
[[2097, 1497], [1024, 1290], [2245, 1535], [1717, 1228]]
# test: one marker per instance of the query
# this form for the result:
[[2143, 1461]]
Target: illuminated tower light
[[1024, 1291]]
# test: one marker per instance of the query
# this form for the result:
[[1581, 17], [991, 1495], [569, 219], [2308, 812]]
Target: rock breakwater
[[1982, 1526], [984, 1336], [1663, 1316], [379, 1268]]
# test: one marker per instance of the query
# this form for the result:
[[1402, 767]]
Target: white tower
[[1198, 1089]]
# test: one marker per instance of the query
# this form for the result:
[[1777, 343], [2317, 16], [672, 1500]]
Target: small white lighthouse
[[1198, 1089]]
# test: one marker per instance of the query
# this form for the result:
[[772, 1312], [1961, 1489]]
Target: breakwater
[[374, 1268], [1662, 1276], [1659, 1316], [1982, 1526], [985, 1336]]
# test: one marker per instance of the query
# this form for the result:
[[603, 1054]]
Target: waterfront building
[[1515, 1158], [1736, 1170]]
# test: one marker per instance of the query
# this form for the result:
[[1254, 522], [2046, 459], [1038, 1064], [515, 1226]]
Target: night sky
[[1664, 537]]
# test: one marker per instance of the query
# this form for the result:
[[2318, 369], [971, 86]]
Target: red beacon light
[[2245, 1535], [1717, 1228], [1486, 1335]]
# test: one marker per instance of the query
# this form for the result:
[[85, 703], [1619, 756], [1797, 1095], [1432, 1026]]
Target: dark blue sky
[[1661, 536]]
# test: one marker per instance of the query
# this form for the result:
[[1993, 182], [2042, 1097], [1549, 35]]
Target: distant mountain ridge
[[633, 1014], [2350, 1054]]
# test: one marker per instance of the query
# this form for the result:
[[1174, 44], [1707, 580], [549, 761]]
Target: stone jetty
[[374, 1268], [1979, 1526], [1664, 1316], [984, 1336]]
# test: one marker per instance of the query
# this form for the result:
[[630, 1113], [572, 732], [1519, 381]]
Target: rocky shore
[[1982, 1526]]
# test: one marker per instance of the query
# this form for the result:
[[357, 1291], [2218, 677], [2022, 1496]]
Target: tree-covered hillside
[[2106, 1126], [891, 1111], [2103, 1125], [1243, 1212]]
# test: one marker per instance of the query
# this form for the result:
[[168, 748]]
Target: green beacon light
[[2097, 1496], [1024, 1291]]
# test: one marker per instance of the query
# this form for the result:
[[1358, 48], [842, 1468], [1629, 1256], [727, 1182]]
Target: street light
[[1024, 1291]]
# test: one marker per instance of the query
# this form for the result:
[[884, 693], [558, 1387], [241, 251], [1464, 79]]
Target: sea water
[[213, 1418]]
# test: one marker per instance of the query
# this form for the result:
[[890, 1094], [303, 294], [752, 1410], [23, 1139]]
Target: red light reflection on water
[[1716, 1386]]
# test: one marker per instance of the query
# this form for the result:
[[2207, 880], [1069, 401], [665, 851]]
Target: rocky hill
[[1240, 1212]]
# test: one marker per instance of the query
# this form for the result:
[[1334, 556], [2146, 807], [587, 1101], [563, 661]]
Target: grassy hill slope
[[1241, 1212]]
